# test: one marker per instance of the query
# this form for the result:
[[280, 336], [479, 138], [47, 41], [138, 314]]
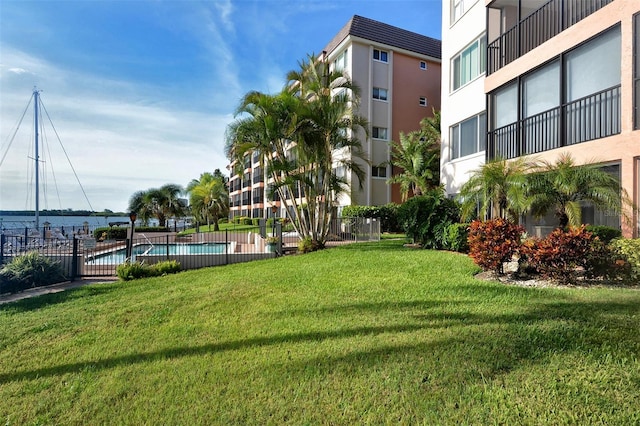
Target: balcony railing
[[593, 117], [546, 22]]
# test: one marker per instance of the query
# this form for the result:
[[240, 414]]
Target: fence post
[[279, 234], [167, 247], [226, 246], [74, 260], [2, 241]]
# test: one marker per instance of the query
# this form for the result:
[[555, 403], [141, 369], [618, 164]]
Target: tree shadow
[[517, 340], [49, 299]]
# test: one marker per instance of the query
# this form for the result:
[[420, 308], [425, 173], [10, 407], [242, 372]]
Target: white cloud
[[119, 139]]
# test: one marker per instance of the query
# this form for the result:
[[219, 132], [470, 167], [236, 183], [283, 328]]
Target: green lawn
[[224, 226], [363, 334]]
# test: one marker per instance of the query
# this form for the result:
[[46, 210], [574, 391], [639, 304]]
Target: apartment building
[[398, 72], [561, 76]]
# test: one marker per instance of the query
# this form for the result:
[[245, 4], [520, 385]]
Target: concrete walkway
[[55, 288]]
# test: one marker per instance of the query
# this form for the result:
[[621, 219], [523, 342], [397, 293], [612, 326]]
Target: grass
[[362, 334], [224, 226]]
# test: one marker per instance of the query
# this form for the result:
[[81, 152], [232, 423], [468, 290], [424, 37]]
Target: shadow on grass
[[382, 245], [204, 349], [519, 338], [68, 295]]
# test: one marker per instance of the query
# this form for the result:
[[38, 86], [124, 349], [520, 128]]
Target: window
[[379, 133], [469, 63], [380, 55], [459, 7], [340, 63], [469, 136], [423, 101], [378, 171], [380, 94], [572, 99], [593, 67], [423, 65]]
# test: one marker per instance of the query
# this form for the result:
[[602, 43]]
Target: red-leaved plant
[[494, 242]]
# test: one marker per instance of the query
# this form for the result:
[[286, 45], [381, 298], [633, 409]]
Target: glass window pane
[[468, 136], [506, 106], [482, 132], [455, 141], [594, 66], [541, 90], [456, 73]]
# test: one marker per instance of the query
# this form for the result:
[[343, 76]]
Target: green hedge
[[117, 233], [387, 213], [134, 270], [425, 218], [605, 233], [630, 250]]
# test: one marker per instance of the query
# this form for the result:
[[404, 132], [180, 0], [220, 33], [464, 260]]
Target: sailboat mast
[[37, 157]]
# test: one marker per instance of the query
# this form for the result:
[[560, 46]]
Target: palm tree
[[209, 198], [561, 187], [327, 123], [296, 133], [498, 187], [417, 154], [160, 203]]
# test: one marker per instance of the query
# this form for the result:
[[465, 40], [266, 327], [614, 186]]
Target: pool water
[[118, 256]]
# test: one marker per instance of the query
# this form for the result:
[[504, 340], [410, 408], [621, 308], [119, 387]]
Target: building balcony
[[523, 25], [593, 117]]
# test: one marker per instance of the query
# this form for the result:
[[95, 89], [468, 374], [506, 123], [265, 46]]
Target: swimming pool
[[117, 257]]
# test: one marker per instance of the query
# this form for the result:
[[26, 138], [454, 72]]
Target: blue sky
[[140, 92]]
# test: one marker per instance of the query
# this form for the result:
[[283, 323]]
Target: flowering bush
[[494, 242]]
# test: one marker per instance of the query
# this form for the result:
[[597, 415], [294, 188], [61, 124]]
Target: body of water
[[70, 223]]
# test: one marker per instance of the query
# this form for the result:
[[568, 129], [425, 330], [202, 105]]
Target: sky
[[140, 93]]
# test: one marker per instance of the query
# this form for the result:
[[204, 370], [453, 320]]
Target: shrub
[[361, 211], [425, 218], [560, 254], [255, 221], [494, 242], [167, 267], [629, 249], [605, 233], [30, 270], [110, 233], [131, 271], [134, 270], [307, 245], [388, 215], [456, 237]]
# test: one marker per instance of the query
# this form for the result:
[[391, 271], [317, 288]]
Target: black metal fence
[[591, 117], [81, 255], [543, 24]]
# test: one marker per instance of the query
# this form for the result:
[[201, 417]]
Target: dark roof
[[380, 32]]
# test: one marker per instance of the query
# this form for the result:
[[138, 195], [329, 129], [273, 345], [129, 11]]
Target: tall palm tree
[[561, 187], [209, 198], [160, 203], [417, 154], [296, 133], [327, 124], [498, 187]]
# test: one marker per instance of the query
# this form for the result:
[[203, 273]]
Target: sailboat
[[38, 118]]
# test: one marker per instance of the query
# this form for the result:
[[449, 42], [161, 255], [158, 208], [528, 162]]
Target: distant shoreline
[[61, 213]]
